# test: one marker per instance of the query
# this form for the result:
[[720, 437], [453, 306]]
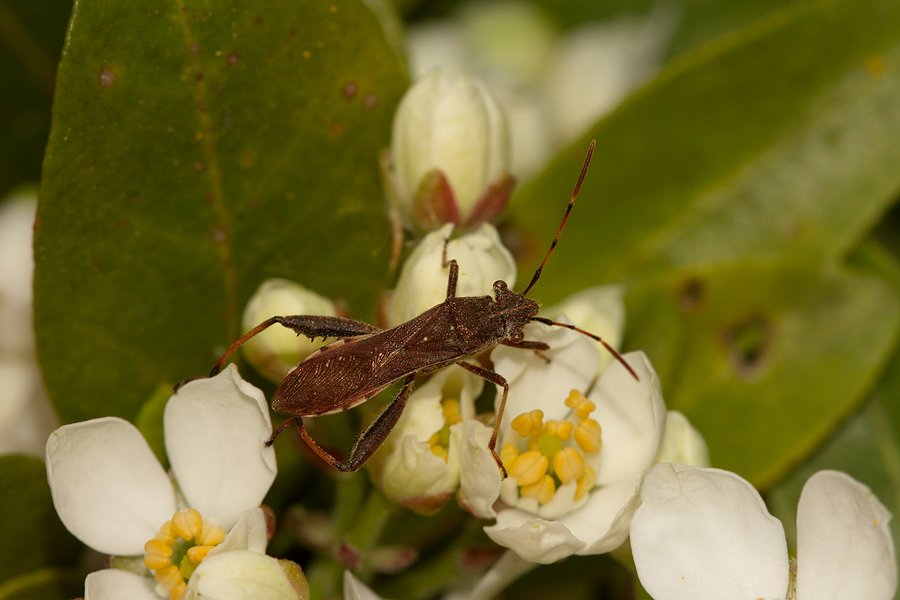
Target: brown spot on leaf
[[691, 294], [336, 129], [349, 89], [292, 32], [749, 344], [306, 54], [258, 20], [121, 224], [370, 100], [194, 48], [107, 77], [233, 58], [198, 166], [210, 198], [199, 76], [219, 234]]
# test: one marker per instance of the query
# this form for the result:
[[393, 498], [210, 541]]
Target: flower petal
[[600, 310], [249, 533], [479, 477], [632, 415], [107, 486], [534, 539], [354, 589], [116, 584], [603, 522], [535, 383], [216, 429], [706, 534], [844, 544]]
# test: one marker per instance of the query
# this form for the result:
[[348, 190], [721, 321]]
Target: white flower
[[422, 283], [597, 447], [26, 416], [449, 154], [112, 494], [706, 533], [354, 589], [600, 310], [276, 350], [418, 465]]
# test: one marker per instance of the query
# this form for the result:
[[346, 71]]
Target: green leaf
[[765, 359], [33, 535], [197, 149], [44, 584], [32, 33], [776, 141]]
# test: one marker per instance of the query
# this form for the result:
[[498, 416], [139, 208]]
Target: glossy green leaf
[[197, 149], [32, 533], [31, 37], [779, 140], [764, 359]]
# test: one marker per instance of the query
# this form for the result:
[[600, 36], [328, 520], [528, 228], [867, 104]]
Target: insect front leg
[[496, 379], [537, 347], [370, 440]]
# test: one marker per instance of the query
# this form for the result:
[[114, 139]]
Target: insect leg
[[497, 379], [280, 429], [312, 326], [371, 439], [537, 347], [454, 271]]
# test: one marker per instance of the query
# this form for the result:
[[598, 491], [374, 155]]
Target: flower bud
[[599, 310], [274, 351], [449, 156], [246, 574], [682, 443], [482, 260]]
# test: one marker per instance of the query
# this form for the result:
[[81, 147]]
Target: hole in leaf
[[748, 344], [691, 294]]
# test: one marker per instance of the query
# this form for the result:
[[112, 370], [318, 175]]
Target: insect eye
[[517, 337], [500, 285]]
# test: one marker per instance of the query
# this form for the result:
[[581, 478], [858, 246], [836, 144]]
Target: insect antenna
[[537, 274], [612, 350]]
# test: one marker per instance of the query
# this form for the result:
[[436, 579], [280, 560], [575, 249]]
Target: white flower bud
[[246, 574], [449, 153], [482, 260], [274, 351], [682, 443], [599, 310]]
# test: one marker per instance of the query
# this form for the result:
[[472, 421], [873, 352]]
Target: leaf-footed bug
[[366, 360]]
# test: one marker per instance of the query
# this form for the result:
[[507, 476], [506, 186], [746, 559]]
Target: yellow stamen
[[168, 577], [583, 407], [529, 467], [435, 439], [568, 464], [529, 423], [451, 411], [588, 435], [508, 454], [198, 553], [178, 591], [543, 489], [586, 483], [561, 429], [187, 523], [157, 555], [211, 535], [440, 452], [166, 534]]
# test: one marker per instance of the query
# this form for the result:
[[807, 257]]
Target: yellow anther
[[451, 411], [586, 483], [157, 555], [508, 454], [178, 592], [568, 464], [588, 435], [187, 523], [168, 577], [583, 407], [440, 451], [166, 533], [529, 467], [529, 423], [210, 535], [561, 429], [543, 489], [198, 553], [435, 439]]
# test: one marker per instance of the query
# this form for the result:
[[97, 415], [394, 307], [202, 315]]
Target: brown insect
[[366, 360]]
